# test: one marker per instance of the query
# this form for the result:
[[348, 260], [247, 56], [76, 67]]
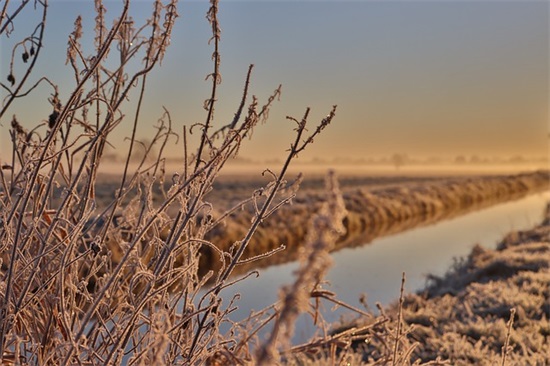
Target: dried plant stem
[[257, 220], [32, 181], [15, 93], [506, 347], [398, 330], [216, 78], [94, 280], [325, 227]]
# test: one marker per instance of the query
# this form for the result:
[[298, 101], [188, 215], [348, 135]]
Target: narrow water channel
[[375, 269]]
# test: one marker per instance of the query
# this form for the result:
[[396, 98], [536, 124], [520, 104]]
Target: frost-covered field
[[465, 316]]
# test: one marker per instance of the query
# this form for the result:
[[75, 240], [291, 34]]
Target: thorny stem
[[216, 78], [237, 116]]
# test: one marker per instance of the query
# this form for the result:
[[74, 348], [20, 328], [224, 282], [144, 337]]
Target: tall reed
[[86, 283]]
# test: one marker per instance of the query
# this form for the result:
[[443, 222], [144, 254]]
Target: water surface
[[375, 269]]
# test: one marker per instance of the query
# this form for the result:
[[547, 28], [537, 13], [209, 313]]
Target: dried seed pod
[[17, 126], [32, 51], [11, 79], [25, 56], [53, 118], [95, 248]]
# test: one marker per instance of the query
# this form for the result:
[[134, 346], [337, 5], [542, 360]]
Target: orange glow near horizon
[[425, 79]]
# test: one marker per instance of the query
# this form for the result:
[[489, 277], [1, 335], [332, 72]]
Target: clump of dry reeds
[[88, 282]]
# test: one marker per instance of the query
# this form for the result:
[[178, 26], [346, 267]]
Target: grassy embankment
[[464, 316], [374, 212]]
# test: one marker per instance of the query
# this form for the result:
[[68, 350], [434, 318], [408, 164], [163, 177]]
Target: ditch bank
[[464, 316], [372, 213]]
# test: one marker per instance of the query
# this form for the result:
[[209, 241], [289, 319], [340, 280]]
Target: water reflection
[[376, 269], [369, 226]]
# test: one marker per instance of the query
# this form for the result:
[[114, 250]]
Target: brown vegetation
[[117, 283], [378, 211], [85, 282], [465, 315]]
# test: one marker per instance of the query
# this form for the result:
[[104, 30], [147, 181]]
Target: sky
[[427, 78]]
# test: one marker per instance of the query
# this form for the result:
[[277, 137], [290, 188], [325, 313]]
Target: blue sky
[[423, 78]]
